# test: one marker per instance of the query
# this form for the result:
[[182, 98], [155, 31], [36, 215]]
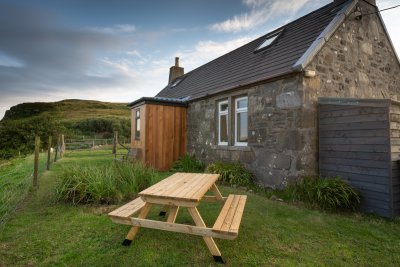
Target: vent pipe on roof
[[175, 71]]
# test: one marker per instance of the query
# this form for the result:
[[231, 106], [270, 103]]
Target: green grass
[[46, 233], [15, 182]]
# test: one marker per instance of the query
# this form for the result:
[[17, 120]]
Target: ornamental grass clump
[[327, 193], [188, 163], [231, 172], [107, 184]]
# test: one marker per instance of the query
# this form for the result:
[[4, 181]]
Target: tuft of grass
[[330, 194], [106, 184], [231, 172], [188, 163]]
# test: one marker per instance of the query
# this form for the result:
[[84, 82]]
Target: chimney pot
[[175, 71]]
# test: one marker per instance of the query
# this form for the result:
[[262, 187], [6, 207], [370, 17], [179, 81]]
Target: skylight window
[[269, 40], [176, 82]]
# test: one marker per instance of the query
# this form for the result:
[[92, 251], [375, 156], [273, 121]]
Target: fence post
[[62, 148], [115, 141], [58, 144], [36, 161], [49, 153]]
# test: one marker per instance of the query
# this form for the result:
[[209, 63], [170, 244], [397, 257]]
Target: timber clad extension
[[336, 51]]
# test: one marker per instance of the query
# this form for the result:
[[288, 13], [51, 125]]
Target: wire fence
[[91, 144], [15, 182], [17, 176]]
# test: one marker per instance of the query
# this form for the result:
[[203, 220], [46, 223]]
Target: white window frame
[[237, 111], [220, 103]]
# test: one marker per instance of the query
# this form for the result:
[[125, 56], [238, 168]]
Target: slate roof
[[244, 66], [159, 100]]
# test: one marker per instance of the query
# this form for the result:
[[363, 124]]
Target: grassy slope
[[46, 233], [70, 110]]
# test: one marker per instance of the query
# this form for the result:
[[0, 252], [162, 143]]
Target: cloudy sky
[[121, 50]]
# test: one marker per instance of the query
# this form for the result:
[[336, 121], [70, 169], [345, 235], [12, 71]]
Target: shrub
[[188, 163], [232, 173], [328, 193], [107, 184]]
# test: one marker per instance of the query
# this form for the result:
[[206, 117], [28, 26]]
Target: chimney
[[175, 71]]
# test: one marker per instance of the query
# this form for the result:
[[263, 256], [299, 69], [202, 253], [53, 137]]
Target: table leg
[[173, 212], [217, 194], [132, 233], [212, 247]]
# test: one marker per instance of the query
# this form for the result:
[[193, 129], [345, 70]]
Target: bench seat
[[229, 219], [122, 214]]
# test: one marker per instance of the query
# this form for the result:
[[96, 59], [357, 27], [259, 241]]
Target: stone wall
[[357, 61], [276, 142]]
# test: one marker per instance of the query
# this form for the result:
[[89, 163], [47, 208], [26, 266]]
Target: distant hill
[[72, 117], [69, 110]]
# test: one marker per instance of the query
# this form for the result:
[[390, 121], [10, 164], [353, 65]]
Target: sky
[[119, 51]]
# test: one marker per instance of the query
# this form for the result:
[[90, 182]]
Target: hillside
[[68, 110], [73, 118]]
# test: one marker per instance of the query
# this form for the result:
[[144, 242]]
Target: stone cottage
[[258, 103]]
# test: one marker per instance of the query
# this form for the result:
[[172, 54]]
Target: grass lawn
[[15, 181], [45, 233]]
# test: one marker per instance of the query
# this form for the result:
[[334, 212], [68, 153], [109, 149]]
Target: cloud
[[205, 51], [116, 29], [260, 12]]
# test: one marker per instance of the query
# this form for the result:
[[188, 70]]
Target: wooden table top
[[182, 186]]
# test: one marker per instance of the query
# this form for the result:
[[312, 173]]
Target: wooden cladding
[[162, 134], [359, 141]]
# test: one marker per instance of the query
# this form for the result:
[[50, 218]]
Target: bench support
[[132, 233], [212, 247]]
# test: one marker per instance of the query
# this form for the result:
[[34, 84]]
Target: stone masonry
[[357, 61]]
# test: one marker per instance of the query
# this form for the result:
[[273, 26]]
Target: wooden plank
[[356, 177], [183, 132], [354, 133], [367, 118], [354, 126], [355, 148], [128, 209], [191, 186], [170, 201], [354, 140], [212, 199], [355, 155], [231, 213], [178, 228], [224, 212], [217, 193], [354, 162], [208, 240], [143, 214], [212, 178], [351, 112], [173, 212], [238, 215], [355, 169]]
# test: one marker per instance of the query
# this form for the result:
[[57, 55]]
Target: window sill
[[233, 148]]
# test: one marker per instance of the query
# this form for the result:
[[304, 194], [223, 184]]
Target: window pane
[[223, 107], [223, 128], [137, 113], [138, 124], [242, 103], [241, 127]]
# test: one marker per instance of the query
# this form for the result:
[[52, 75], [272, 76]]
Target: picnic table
[[184, 190]]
